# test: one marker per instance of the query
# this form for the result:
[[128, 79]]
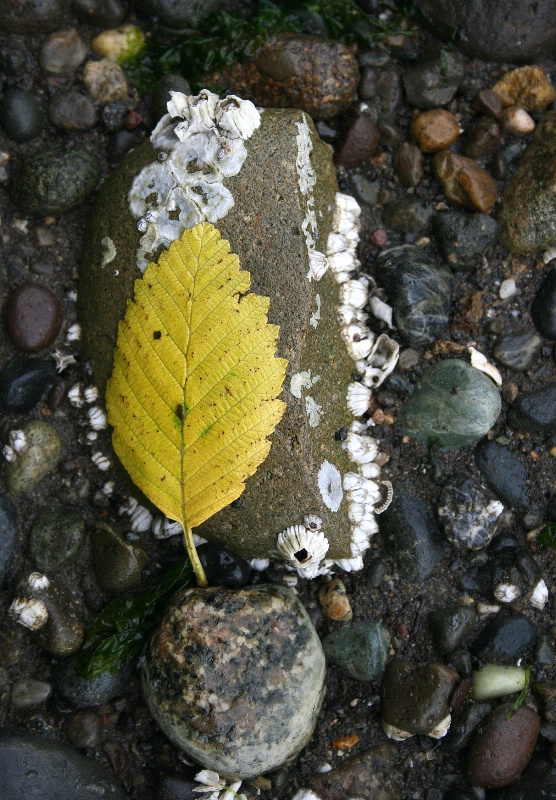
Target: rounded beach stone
[[434, 130], [89, 691], [517, 351], [72, 111], [464, 238], [464, 181], [334, 601], [433, 82], [454, 404], [408, 164], [41, 455], [527, 87], [117, 563], [504, 473], [178, 13], [247, 703], [502, 746], [361, 650], [56, 538], [534, 411], [21, 115], [104, 13], [468, 512], [33, 317], [62, 52], [359, 140], [506, 637], [450, 626], [482, 137]]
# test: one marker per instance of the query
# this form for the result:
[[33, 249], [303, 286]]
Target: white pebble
[[507, 288]]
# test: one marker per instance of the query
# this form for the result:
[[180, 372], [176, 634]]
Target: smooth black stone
[[32, 768], [23, 382], [222, 566], [504, 473], [21, 116], [177, 14], [450, 626], [175, 787], [528, 567], [8, 536], [543, 308], [535, 411], [478, 579], [420, 291], [464, 724], [517, 351], [92, 691], [538, 782], [464, 238], [106, 13], [506, 541], [505, 637], [410, 535]]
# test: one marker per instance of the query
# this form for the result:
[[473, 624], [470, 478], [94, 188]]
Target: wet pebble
[[372, 774], [9, 541], [56, 770], [72, 111], [543, 308], [534, 411], [517, 351], [464, 181], [33, 317], [482, 138], [89, 691], [117, 563], [56, 538], [223, 567], [468, 512], [104, 13], [358, 141], [21, 116], [54, 182], [381, 88], [83, 729], [406, 215], [27, 693], [434, 130], [465, 724], [464, 238], [416, 698], [527, 87], [505, 636], [517, 121], [334, 601], [364, 190], [410, 534], [504, 473], [360, 650], [269, 726], [41, 453], [537, 781], [408, 164], [62, 52], [450, 626], [431, 84], [122, 143], [502, 746], [487, 102], [453, 405], [23, 381], [105, 81], [420, 291], [174, 786]]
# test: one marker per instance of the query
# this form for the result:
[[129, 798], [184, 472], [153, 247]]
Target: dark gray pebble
[[420, 291], [21, 116], [32, 768], [505, 637], [517, 351], [364, 190], [535, 411], [406, 215], [23, 382], [432, 83], [113, 116], [537, 781], [72, 111], [161, 93], [543, 308], [105, 13], [410, 534], [464, 725], [175, 787], [92, 691], [31, 16], [360, 650], [359, 140], [28, 692], [54, 182], [504, 473], [468, 512], [382, 90], [56, 538], [408, 164], [463, 238], [8, 536], [83, 729], [122, 143], [450, 626]]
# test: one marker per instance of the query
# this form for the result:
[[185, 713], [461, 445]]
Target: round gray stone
[[361, 651], [56, 538]]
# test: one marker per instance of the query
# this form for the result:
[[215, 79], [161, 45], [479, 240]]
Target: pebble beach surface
[[429, 645]]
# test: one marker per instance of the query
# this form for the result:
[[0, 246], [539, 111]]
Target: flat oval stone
[[543, 308], [454, 404], [434, 130], [464, 181], [416, 696], [41, 455], [430, 83], [504, 473], [359, 140], [72, 111], [33, 316], [8, 536], [361, 650], [83, 729], [502, 746], [32, 768], [450, 626], [535, 411], [248, 703], [505, 637], [527, 87], [23, 381], [482, 138], [408, 164], [21, 115], [28, 692], [62, 52], [517, 351]]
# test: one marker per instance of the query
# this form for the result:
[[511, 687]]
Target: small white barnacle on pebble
[[315, 316], [329, 481], [397, 734], [164, 528], [370, 470], [358, 399], [354, 293], [485, 610], [347, 315], [318, 265], [37, 580], [548, 255], [237, 118], [97, 418], [100, 461], [302, 547], [108, 488], [32, 614], [388, 495], [360, 449], [381, 310], [381, 361], [62, 360], [354, 564], [92, 436], [313, 410], [312, 522], [90, 394], [9, 454], [108, 251], [506, 592], [359, 341], [73, 333], [539, 595], [440, 730], [18, 440]]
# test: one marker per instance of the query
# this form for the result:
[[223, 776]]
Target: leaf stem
[[193, 557]]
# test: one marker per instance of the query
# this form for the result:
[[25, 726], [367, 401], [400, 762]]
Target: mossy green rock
[[43, 451], [264, 229], [56, 539], [117, 564], [454, 404]]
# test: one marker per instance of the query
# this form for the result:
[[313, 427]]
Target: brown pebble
[[408, 164], [464, 181], [358, 142], [83, 729], [379, 237], [335, 602], [346, 742], [33, 317], [487, 102], [502, 746], [434, 130], [482, 137], [527, 87], [517, 121]]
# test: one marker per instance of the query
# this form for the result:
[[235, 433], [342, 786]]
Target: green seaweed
[[547, 535]]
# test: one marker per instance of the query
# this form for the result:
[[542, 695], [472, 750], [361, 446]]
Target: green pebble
[[117, 564], [360, 650], [56, 539], [44, 448]]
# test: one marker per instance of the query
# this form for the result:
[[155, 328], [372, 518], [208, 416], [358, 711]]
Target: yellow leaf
[[192, 396]]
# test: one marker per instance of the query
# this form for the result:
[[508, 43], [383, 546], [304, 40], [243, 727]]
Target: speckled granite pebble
[[248, 669], [468, 512]]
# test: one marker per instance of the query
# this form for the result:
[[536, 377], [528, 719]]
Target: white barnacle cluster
[[318, 262], [304, 547], [201, 140], [164, 528], [17, 444], [140, 518], [213, 787]]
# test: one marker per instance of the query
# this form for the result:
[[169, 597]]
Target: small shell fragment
[[479, 361]]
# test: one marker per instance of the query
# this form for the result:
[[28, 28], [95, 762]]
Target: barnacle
[[302, 547]]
